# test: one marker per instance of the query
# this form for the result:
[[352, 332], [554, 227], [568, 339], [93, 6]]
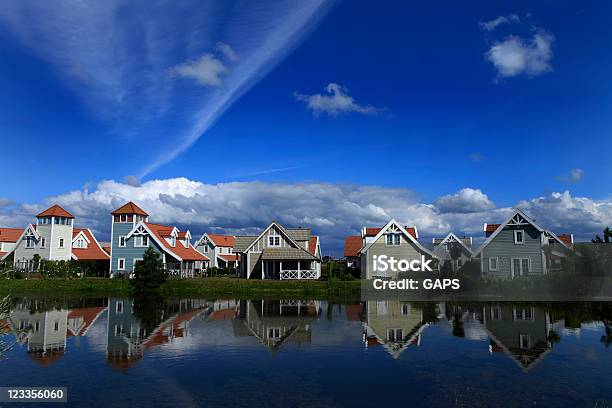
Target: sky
[[221, 116]]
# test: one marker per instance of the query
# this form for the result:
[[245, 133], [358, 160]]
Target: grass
[[92, 287]]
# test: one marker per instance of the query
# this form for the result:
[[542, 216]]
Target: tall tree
[[149, 274]]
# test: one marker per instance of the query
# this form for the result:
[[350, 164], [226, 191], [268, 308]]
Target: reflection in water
[[217, 339]]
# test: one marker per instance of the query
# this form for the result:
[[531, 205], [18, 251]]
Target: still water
[[285, 353]]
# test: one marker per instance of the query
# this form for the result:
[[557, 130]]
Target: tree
[[455, 253], [149, 274], [607, 237]]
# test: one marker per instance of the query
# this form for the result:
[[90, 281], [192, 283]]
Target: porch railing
[[287, 274]]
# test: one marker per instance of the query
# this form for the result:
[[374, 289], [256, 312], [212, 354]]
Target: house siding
[[129, 252], [405, 250], [504, 248]]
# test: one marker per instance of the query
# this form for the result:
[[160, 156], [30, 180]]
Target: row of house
[[275, 253], [517, 247]]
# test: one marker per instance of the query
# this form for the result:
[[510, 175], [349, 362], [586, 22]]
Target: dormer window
[[519, 237], [80, 243], [274, 241], [393, 239]]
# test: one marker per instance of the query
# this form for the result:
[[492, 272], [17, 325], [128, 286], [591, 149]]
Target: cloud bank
[[333, 211]]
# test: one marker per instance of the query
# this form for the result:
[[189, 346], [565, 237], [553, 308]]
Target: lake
[[311, 353]]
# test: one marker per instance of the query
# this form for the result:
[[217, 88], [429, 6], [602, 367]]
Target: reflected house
[[392, 324], [80, 320], [517, 247], [132, 234], [224, 310], [43, 333], [220, 250], [277, 322], [522, 332], [444, 248], [279, 253], [392, 240]]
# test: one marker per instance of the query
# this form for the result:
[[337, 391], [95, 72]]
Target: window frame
[[516, 232], [276, 238], [124, 241], [119, 262], [496, 269]]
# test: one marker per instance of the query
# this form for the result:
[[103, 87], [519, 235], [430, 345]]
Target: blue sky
[[510, 98]]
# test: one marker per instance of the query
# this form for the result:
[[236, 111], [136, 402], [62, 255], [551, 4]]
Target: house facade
[[279, 253], [392, 240], [451, 245], [132, 234], [219, 249], [516, 247], [8, 239]]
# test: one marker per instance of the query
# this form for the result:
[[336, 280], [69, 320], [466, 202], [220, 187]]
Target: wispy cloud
[[116, 57], [574, 176], [496, 22], [335, 102]]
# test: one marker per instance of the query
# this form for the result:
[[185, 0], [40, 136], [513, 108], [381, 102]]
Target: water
[[227, 352]]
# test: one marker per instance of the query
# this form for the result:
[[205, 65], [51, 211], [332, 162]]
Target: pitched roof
[[287, 254], [10, 234], [372, 232], [89, 316], [490, 228], [106, 246], [55, 211], [228, 257], [352, 245], [299, 234], [130, 208], [312, 245], [568, 239], [186, 254], [243, 242], [222, 240], [93, 252]]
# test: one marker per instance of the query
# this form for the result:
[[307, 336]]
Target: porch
[[289, 269]]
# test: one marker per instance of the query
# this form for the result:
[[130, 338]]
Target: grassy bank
[[213, 287]]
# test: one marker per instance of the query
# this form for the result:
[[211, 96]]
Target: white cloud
[[132, 181], [496, 22], [466, 200], [206, 70], [227, 51], [5, 202], [335, 102], [332, 210], [574, 176], [514, 56]]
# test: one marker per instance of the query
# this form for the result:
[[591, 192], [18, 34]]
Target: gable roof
[[450, 237], [10, 234], [179, 251], [490, 228], [517, 211], [408, 234], [94, 250], [242, 242], [352, 245], [89, 316], [130, 208], [372, 232], [280, 228], [222, 240], [299, 234], [312, 244], [55, 211]]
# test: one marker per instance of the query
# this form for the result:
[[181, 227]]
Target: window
[[118, 329], [141, 241], [43, 242], [123, 218], [381, 308], [136, 260], [122, 241], [119, 307], [29, 242], [459, 263], [274, 333], [521, 266], [524, 341], [274, 240], [526, 314], [395, 334], [496, 313], [37, 326], [205, 248], [57, 221], [80, 243], [121, 264], [519, 237], [61, 242], [405, 309], [493, 264], [393, 239], [56, 325]]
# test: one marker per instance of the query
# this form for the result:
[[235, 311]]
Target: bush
[[149, 274]]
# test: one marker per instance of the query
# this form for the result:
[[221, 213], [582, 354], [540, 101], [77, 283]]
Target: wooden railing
[[288, 274]]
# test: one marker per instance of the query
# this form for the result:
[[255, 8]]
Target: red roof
[[10, 234], [106, 248], [490, 228], [229, 257], [222, 240], [412, 231], [568, 239], [130, 208], [2, 254], [186, 254], [93, 252], [372, 232], [160, 336], [352, 246], [312, 245], [89, 316], [224, 314], [55, 211], [183, 234]]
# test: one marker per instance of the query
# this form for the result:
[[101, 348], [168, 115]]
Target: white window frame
[[124, 241], [395, 331], [391, 241], [524, 336], [522, 316], [496, 269], [138, 241], [29, 242], [516, 241], [274, 241], [43, 242], [496, 313], [119, 262], [60, 243], [521, 272], [119, 307]]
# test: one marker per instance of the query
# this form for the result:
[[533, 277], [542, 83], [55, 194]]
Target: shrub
[[149, 274]]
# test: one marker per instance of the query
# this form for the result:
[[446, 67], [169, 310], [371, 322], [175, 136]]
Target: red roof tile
[[130, 208], [55, 211], [187, 254], [490, 228], [372, 232], [412, 231], [568, 239], [93, 252], [89, 316], [352, 246], [229, 257], [312, 245], [224, 314], [222, 240], [10, 234]]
